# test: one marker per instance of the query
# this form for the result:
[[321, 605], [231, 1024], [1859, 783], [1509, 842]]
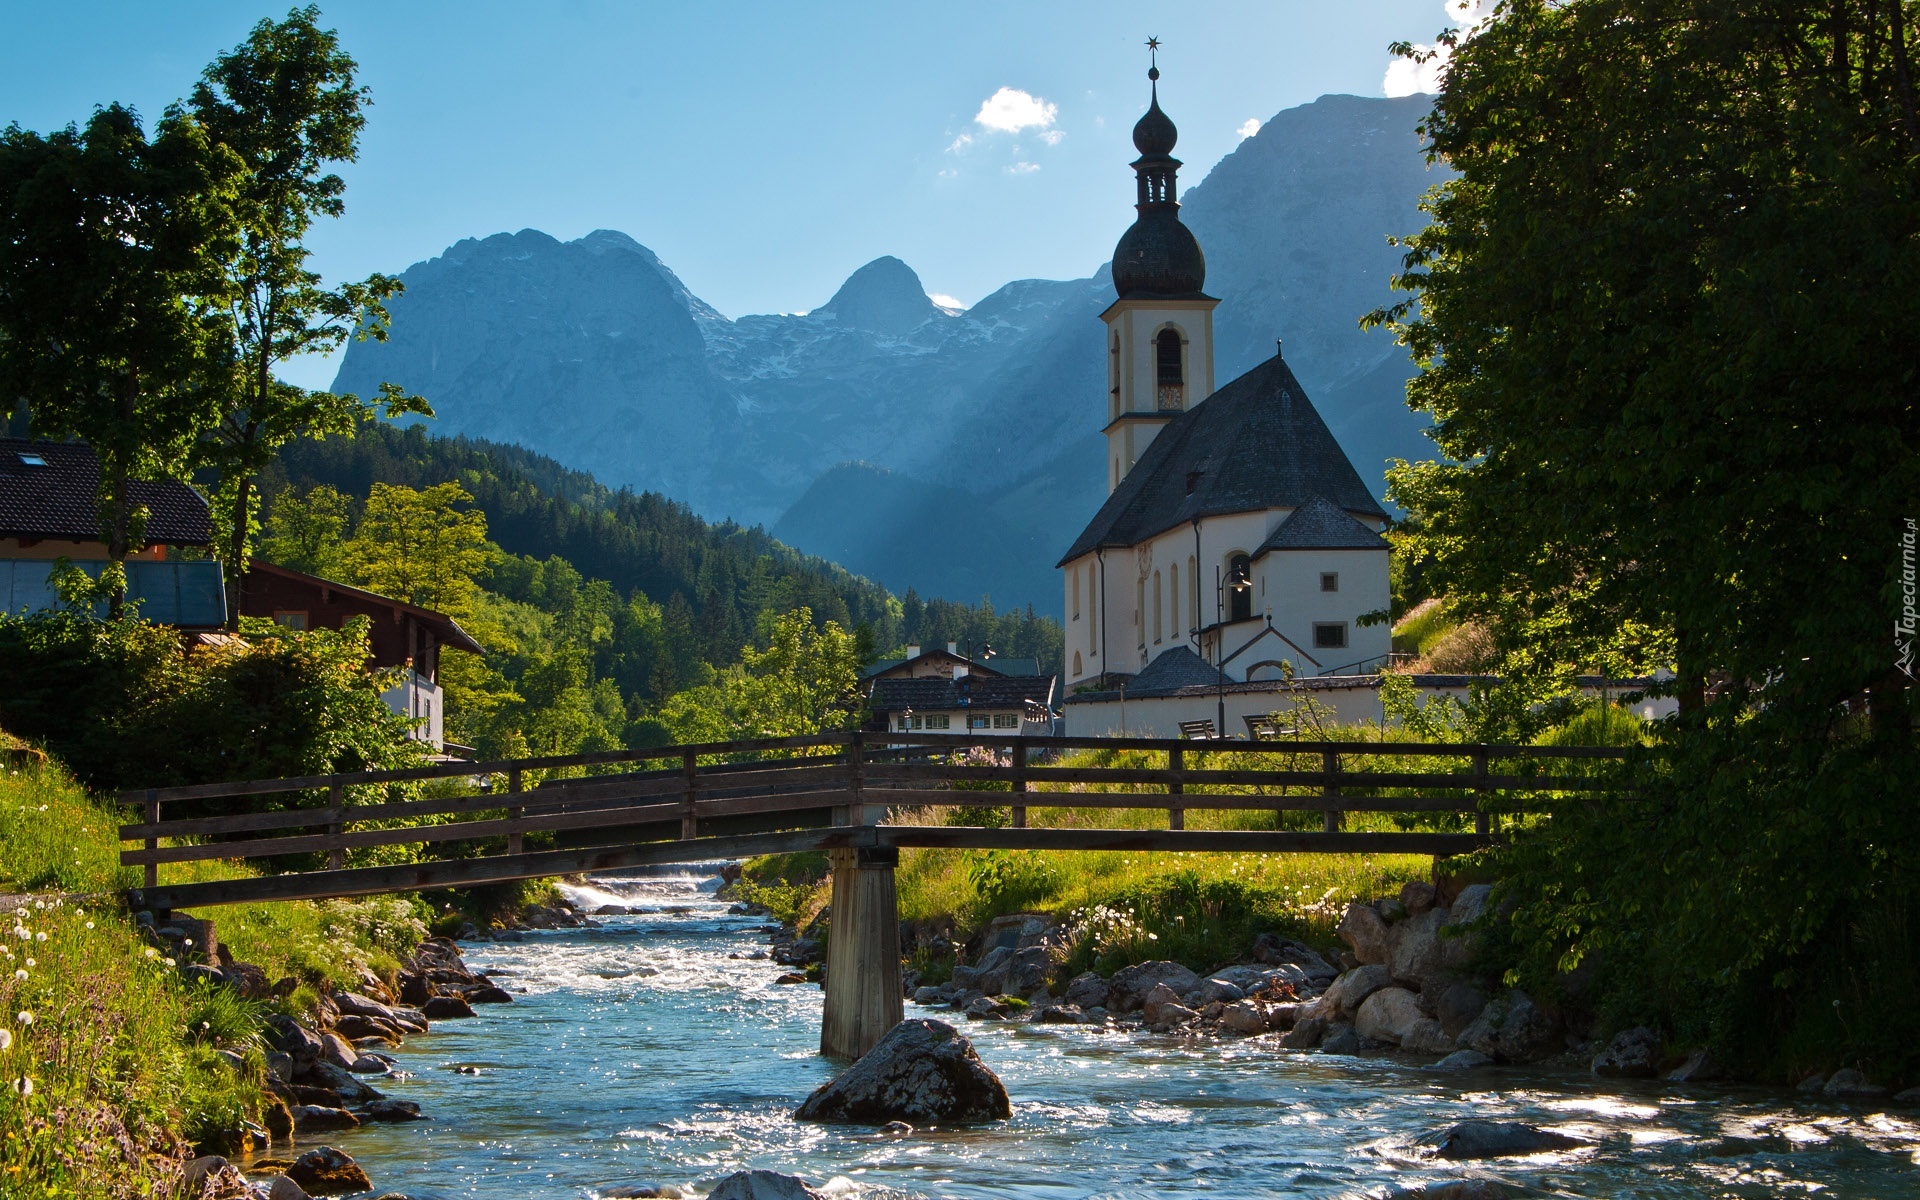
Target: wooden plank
[[470, 872], [336, 847], [1176, 761], [1330, 771], [1211, 841], [516, 813], [609, 817], [1248, 777], [1019, 784], [1190, 801]]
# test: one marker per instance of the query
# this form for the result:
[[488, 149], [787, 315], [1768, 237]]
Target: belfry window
[[1172, 379], [1239, 583]]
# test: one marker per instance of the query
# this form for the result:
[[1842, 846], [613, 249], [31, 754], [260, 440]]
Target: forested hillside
[[597, 607]]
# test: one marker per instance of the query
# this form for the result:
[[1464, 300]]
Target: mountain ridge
[[595, 352]]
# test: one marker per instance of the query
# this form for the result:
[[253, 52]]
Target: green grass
[[1422, 628], [122, 1080]]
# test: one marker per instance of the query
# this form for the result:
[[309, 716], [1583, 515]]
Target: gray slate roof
[[935, 695], [61, 499], [1255, 444], [1320, 524]]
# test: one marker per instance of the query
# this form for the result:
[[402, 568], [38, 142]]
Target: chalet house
[[401, 634], [50, 509], [1237, 542], [947, 692]]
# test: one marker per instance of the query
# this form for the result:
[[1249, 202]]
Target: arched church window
[[1169, 372], [1239, 587], [1076, 664], [1173, 599], [1193, 581], [1157, 627], [1075, 577]]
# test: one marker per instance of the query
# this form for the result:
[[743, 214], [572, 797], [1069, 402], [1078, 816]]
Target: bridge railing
[[852, 779]]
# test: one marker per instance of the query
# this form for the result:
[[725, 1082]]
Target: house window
[[1239, 584], [980, 721], [1172, 381], [1329, 581], [1006, 721], [287, 619], [32, 460], [939, 720], [1329, 635]]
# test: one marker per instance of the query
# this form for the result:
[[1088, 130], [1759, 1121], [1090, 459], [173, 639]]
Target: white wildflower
[[89, 924], [24, 1017], [23, 1085], [6, 1038], [151, 952], [20, 975], [40, 937]]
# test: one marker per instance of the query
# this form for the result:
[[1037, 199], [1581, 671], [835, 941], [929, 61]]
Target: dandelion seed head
[[24, 1017]]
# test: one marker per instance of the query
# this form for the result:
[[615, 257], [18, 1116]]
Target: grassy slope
[[120, 1049]]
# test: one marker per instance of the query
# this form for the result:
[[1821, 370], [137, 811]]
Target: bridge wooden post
[[515, 811], [1330, 764], [863, 952], [336, 828], [1176, 812]]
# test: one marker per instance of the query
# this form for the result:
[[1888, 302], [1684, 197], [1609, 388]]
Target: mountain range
[[956, 452]]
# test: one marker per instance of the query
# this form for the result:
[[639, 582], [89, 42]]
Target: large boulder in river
[[762, 1185], [921, 1072], [1414, 948], [1129, 987], [1495, 1139]]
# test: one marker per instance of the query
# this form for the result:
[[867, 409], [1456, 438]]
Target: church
[[1238, 545]]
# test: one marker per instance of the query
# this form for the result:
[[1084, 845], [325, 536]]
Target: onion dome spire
[[1157, 256]]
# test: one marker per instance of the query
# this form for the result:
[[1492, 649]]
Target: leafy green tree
[[419, 547], [113, 324], [286, 104], [1673, 376], [306, 532]]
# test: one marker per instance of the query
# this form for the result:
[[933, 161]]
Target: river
[[645, 1052]]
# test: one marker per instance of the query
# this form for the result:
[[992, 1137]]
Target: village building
[[945, 691], [50, 510], [1238, 546]]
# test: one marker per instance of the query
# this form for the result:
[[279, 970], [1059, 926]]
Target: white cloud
[[960, 143], [1010, 110], [948, 173], [1023, 168], [1052, 136], [1405, 77], [1249, 127]]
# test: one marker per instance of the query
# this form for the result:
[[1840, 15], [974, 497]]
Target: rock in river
[[1495, 1139], [922, 1071], [328, 1172], [763, 1185]]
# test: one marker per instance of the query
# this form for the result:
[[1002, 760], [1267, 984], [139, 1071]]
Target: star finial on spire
[[1153, 59]]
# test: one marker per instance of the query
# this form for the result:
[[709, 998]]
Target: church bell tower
[[1160, 330]]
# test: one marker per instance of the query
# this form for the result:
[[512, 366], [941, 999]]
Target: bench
[[1198, 731]]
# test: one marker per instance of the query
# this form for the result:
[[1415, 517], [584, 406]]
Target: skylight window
[[32, 460]]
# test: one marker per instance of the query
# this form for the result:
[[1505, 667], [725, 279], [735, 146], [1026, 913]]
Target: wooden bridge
[[860, 797]]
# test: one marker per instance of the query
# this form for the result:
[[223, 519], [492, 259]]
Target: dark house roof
[[58, 497], [970, 691], [254, 603], [1319, 524], [938, 655], [1255, 444]]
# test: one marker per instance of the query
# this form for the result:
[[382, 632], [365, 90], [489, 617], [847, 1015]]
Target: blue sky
[[763, 150]]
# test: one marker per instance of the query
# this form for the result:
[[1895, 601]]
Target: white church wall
[[1288, 585]]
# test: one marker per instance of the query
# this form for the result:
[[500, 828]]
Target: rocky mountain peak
[[885, 296]]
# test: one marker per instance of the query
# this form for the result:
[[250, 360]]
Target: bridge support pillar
[[863, 952]]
